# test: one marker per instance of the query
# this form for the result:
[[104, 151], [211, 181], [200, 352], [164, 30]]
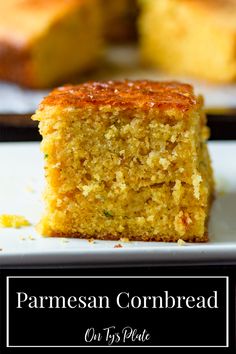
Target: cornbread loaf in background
[[125, 159], [120, 18], [190, 37], [45, 42], [48, 42]]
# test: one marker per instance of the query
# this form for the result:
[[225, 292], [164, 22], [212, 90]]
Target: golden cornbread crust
[[127, 94], [126, 159]]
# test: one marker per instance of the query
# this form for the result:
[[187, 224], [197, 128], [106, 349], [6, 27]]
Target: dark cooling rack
[[222, 123]]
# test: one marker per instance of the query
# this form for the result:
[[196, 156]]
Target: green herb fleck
[[108, 214], [45, 156]]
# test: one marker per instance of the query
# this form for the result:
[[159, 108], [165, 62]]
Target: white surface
[[25, 100], [21, 183]]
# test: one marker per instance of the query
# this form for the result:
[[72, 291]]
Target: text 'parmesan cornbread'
[[125, 159]]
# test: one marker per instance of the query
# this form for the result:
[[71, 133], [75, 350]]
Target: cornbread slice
[[190, 37], [125, 159], [44, 42]]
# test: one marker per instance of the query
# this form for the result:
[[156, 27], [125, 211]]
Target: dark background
[[190, 325], [163, 324]]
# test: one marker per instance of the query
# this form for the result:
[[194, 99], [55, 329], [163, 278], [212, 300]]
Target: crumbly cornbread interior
[[186, 36], [125, 170]]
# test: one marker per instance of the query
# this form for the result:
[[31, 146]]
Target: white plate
[[21, 184]]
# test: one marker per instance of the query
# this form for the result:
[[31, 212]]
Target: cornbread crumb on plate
[[15, 221], [124, 239], [30, 189], [126, 159], [181, 242], [118, 246], [31, 238]]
